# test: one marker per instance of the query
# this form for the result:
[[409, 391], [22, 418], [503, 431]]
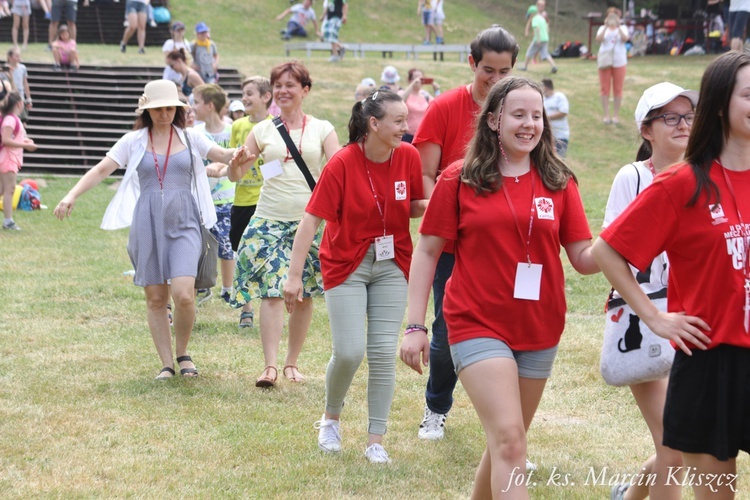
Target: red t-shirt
[[344, 198], [449, 123], [479, 295], [704, 246]]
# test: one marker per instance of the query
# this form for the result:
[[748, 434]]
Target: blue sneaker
[[226, 297]]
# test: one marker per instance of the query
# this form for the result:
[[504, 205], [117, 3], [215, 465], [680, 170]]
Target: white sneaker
[[433, 425], [530, 466], [329, 437], [376, 454]]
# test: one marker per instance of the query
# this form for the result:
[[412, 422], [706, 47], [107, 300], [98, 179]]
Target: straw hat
[[159, 94]]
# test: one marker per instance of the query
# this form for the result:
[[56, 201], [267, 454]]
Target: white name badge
[[384, 248], [271, 169], [528, 281]]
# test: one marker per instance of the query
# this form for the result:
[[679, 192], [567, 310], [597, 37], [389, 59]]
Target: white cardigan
[[129, 151]]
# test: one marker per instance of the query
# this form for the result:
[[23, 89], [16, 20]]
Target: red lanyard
[[744, 249], [299, 148], [651, 167], [515, 217], [384, 209], [161, 175]]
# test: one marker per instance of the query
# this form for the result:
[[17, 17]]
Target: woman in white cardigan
[[164, 164]]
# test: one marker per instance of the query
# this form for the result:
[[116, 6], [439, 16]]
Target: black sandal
[[187, 372], [166, 369]]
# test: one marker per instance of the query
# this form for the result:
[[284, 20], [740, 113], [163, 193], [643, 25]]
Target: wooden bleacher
[[100, 22], [77, 117]]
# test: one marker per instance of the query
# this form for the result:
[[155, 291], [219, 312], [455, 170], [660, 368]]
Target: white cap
[[368, 82], [660, 95], [390, 75], [236, 106]]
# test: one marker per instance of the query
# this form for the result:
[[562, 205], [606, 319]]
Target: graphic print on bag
[[633, 336]]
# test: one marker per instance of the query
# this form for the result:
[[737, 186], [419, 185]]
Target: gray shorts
[[70, 8], [531, 364], [537, 48]]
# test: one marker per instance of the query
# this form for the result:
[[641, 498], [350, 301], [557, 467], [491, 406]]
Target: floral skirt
[[263, 259]]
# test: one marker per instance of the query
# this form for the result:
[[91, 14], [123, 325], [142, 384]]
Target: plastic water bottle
[[129, 273]]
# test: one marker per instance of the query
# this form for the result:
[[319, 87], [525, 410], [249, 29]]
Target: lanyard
[[299, 148], [161, 175], [651, 167], [745, 238], [383, 210], [527, 240]]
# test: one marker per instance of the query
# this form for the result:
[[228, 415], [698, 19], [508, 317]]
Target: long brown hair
[[480, 170], [711, 125]]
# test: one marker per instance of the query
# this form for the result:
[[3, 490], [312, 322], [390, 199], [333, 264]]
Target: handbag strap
[[192, 171], [294, 152], [612, 302]]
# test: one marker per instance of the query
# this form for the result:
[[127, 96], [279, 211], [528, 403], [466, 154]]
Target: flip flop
[[293, 378], [163, 371], [266, 380], [187, 372]]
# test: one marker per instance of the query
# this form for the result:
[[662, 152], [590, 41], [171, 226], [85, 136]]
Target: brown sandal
[[265, 379], [293, 378]]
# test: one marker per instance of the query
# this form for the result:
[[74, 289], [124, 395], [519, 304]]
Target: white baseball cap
[[660, 95], [236, 106]]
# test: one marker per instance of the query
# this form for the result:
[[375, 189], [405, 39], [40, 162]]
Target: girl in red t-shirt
[[702, 205], [366, 194], [509, 206]]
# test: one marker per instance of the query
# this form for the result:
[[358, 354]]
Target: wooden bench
[[386, 49]]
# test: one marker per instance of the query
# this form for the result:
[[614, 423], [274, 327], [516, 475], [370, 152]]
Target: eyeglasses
[[673, 119]]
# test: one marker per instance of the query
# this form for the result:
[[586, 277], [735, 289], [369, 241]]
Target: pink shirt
[[417, 105], [65, 48], [11, 159]]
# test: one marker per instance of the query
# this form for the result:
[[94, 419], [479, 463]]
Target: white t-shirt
[[739, 5], [171, 45], [558, 103], [301, 15], [284, 197], [613, 41], [625, 188]]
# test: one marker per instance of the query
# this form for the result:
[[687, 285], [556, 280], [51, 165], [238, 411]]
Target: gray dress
[[165, 237]]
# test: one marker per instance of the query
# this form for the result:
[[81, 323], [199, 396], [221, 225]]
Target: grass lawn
[[80, 414]]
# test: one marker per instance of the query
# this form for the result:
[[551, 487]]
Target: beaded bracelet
[[415, 328]]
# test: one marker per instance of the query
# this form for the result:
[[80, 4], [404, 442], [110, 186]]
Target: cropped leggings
[[365, 313]]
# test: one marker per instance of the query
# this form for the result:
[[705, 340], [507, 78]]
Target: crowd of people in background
[[477, 162]]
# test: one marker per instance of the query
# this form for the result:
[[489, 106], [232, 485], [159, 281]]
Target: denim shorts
[[136, 7], [531, 364]]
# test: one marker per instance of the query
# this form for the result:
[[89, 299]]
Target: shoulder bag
[[631, 352], [279, 124], [207, 261]]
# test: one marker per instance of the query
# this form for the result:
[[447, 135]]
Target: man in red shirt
[[441, 139]]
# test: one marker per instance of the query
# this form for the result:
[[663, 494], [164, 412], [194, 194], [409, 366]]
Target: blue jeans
[[443, 378]]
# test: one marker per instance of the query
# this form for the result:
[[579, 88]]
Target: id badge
[[271, 169], [528, 281], [384, 248]]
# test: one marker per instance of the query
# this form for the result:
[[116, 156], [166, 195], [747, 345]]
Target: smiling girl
[[509, 205], [366, 194]]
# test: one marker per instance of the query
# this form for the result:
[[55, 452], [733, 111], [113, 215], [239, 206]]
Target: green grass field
[[80, 414]]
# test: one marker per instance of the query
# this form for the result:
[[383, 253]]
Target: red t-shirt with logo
[[705, 246], [344, 198], [479, 298]]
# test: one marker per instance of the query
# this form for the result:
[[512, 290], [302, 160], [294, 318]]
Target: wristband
[[415, 328]]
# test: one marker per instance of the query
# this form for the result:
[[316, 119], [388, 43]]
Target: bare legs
[[650, 397], [157, 297], [7, 188], [136, 22], [505, 404], [17, 21], [272, 324]]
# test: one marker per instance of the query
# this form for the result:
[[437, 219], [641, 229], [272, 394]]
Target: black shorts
[[239, 219], [708, 402]]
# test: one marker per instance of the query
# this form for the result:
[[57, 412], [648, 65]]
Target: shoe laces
[[432, 420], [329, 431], [376, 454]]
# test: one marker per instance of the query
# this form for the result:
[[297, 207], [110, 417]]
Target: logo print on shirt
[[717, 214], [400, 190], [545, 208]]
